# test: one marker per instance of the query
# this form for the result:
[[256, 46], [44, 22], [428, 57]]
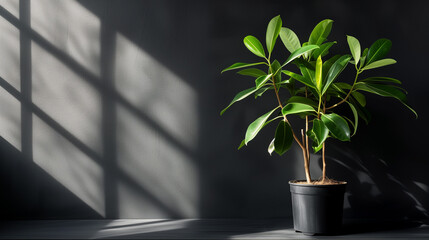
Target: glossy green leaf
[[309, 74], [318, 133], [283, 138], [356, 116], [241, 65], [300, 78], [299, 52], [318, 74], [273, 31], [360, 98], [257, 125], [385, 91], [293, 108], [260, 81], [362, 111], [378, 50], [380, 63], [355, 49], [335, 70], [337, 126], [381, 80], [323, 50], [253, 72], [320, 32], [241, 145], [327, 65], [271, 147], [276, 68], [254, 45], [240, 96], [289, 39], [381, 90], [304, 100], [262, 90], [363, 58]]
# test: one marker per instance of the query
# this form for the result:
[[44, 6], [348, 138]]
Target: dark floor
[[202, 229]]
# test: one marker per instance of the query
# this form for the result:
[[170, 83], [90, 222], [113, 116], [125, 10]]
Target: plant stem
[[348, 94], [306, 136], [323, 149], [306, 160], [301, 144], [323, 163]]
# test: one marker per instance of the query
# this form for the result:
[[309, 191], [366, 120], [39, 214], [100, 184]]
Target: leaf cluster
[[316, 89]]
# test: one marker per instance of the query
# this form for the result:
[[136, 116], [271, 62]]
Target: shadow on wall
[[86, 97], [375, 190]]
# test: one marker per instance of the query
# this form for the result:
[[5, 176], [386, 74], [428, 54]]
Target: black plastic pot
[[317, 209]]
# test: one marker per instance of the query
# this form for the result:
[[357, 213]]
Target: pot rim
[[293, 182]]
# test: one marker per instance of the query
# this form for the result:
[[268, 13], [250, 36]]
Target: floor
[[202, 229]]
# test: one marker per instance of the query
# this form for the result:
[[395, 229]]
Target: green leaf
[[283, 138], [362, 112], [337, 126], [382, 90], [241, 65], [378, 50], [319, 133], [356, 116], [299, 52], [240, 96], [309, 74], [318, 76], [271, 147], [260, 81], [304, 100], [381, 80], [385, 91], [262, 90], [241, 145], [289, 39], [380, 63], [257, 125], [363, 57], [299, 78], [323, 50], [328, 64], [273, 31], [355, 49], [293, 108], [360, 98], [254, 45], [335, 70], [253, 72], [320, 32], [276, 68]]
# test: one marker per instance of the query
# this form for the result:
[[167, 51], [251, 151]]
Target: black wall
[[385, 164]]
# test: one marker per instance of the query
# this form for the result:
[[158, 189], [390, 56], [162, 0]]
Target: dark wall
[[179, 158]]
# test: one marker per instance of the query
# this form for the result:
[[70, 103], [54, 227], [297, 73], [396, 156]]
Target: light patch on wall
[[9, 53], [156, 91], [71, 28], [68, 165], [10, 119], [157, 136], [66, 98]]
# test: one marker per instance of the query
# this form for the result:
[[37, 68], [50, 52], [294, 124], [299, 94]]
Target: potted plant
[[314, 94]]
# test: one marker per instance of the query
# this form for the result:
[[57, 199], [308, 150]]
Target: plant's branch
[[307, 148], [281, 106]]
